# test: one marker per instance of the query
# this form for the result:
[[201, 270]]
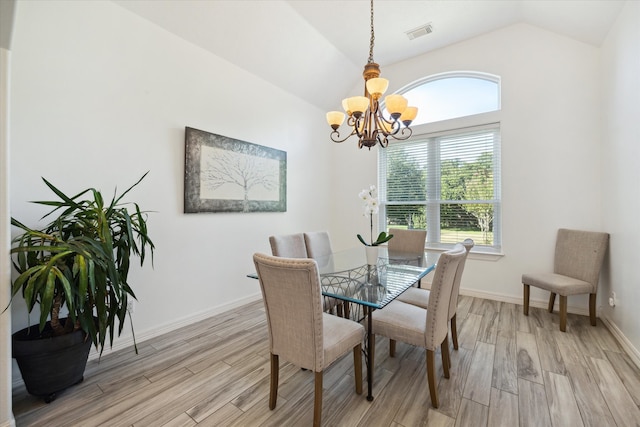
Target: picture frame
[[223, 174]]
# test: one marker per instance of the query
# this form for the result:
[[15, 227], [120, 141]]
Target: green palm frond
[[81, 259]]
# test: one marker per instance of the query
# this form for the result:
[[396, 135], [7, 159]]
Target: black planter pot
[[50, 365]]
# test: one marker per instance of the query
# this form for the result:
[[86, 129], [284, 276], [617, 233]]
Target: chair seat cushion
[[557, 283], [340, 335], [415, 296], [401, 322]]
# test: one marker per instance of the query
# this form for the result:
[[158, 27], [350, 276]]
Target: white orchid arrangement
[[371, 208]]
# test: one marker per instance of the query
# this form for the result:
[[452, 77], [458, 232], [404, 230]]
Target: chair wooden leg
[[525, 305], [392, 348], [431, 377], [446, 359], [347, 314], [592, 309], [339, 310], [552, 301], [317, 401], [454, 332], [275, 369], [563, 313], [357, 367]]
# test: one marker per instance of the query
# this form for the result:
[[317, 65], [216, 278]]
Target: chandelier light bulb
[[396, 104], [377, 87], [358, 104], [408, 115], [335, 119]]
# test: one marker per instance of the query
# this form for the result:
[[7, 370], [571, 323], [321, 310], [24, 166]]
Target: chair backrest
[[440, 295], [407, 240], [288, 246], [453, 302], [293, 304], [318, 244], [579, 254]]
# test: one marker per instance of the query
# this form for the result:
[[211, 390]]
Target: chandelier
[[365, 116]]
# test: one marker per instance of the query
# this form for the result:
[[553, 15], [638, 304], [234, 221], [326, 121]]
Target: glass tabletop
[[345, 275]]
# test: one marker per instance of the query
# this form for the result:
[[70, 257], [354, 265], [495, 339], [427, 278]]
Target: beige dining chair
[[288, 245], [407, 241], [420, 297], [414, 325], [318, 246], [577, 262], [299, 331]]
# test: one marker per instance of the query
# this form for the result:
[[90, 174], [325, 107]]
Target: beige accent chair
[[288, 246], [576, 270], [407, 241], [299, 331], [424, 328], [420, 297]]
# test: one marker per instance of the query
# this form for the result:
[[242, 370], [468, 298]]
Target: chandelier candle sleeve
[[365, 117]]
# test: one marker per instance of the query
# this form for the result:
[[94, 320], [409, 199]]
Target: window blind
[[448, 183]]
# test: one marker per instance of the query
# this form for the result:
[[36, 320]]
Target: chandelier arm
[[381, 120], [335, 136], [404, 134]]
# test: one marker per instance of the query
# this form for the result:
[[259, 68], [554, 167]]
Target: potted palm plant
[[75, 270]]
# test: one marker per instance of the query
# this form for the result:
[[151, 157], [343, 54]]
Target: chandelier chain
[[372, 37]]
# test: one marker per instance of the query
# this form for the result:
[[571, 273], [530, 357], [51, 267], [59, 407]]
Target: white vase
[[372, 254]]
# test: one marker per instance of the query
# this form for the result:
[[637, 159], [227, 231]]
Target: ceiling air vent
[[422, 30]]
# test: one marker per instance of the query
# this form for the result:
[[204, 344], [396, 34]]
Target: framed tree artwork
[[223, 174]]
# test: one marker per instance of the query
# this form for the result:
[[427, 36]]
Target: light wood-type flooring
[[510, 370]]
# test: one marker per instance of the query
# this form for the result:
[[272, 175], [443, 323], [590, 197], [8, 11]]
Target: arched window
[[453, 95], [446, 177]]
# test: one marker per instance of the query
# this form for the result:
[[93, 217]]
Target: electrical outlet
[[131, 306], [612, 299]]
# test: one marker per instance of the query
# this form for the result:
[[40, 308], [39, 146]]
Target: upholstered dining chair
[[299, 331], [407, 241], [318, 246], [576, 270], [420, 297], [288, 245], [424, 328]]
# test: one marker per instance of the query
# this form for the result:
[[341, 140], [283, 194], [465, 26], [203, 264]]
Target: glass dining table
[[361, 288]]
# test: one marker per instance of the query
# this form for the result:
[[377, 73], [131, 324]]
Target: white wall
[[100, 96], [621, 175], [551, 135]]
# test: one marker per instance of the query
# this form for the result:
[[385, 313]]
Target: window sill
[[478, 252]]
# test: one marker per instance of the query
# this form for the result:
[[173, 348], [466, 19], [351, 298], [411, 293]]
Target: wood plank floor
[[510, 370]]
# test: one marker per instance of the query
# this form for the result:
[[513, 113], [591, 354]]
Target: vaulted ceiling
[[316, 49]]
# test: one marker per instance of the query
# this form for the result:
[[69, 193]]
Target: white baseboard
[[538, 303], [627, 346], [127, 342], [176, 324], [631, 351], [9, 423]]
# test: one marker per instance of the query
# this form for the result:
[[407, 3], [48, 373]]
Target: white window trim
[[454, 126]]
